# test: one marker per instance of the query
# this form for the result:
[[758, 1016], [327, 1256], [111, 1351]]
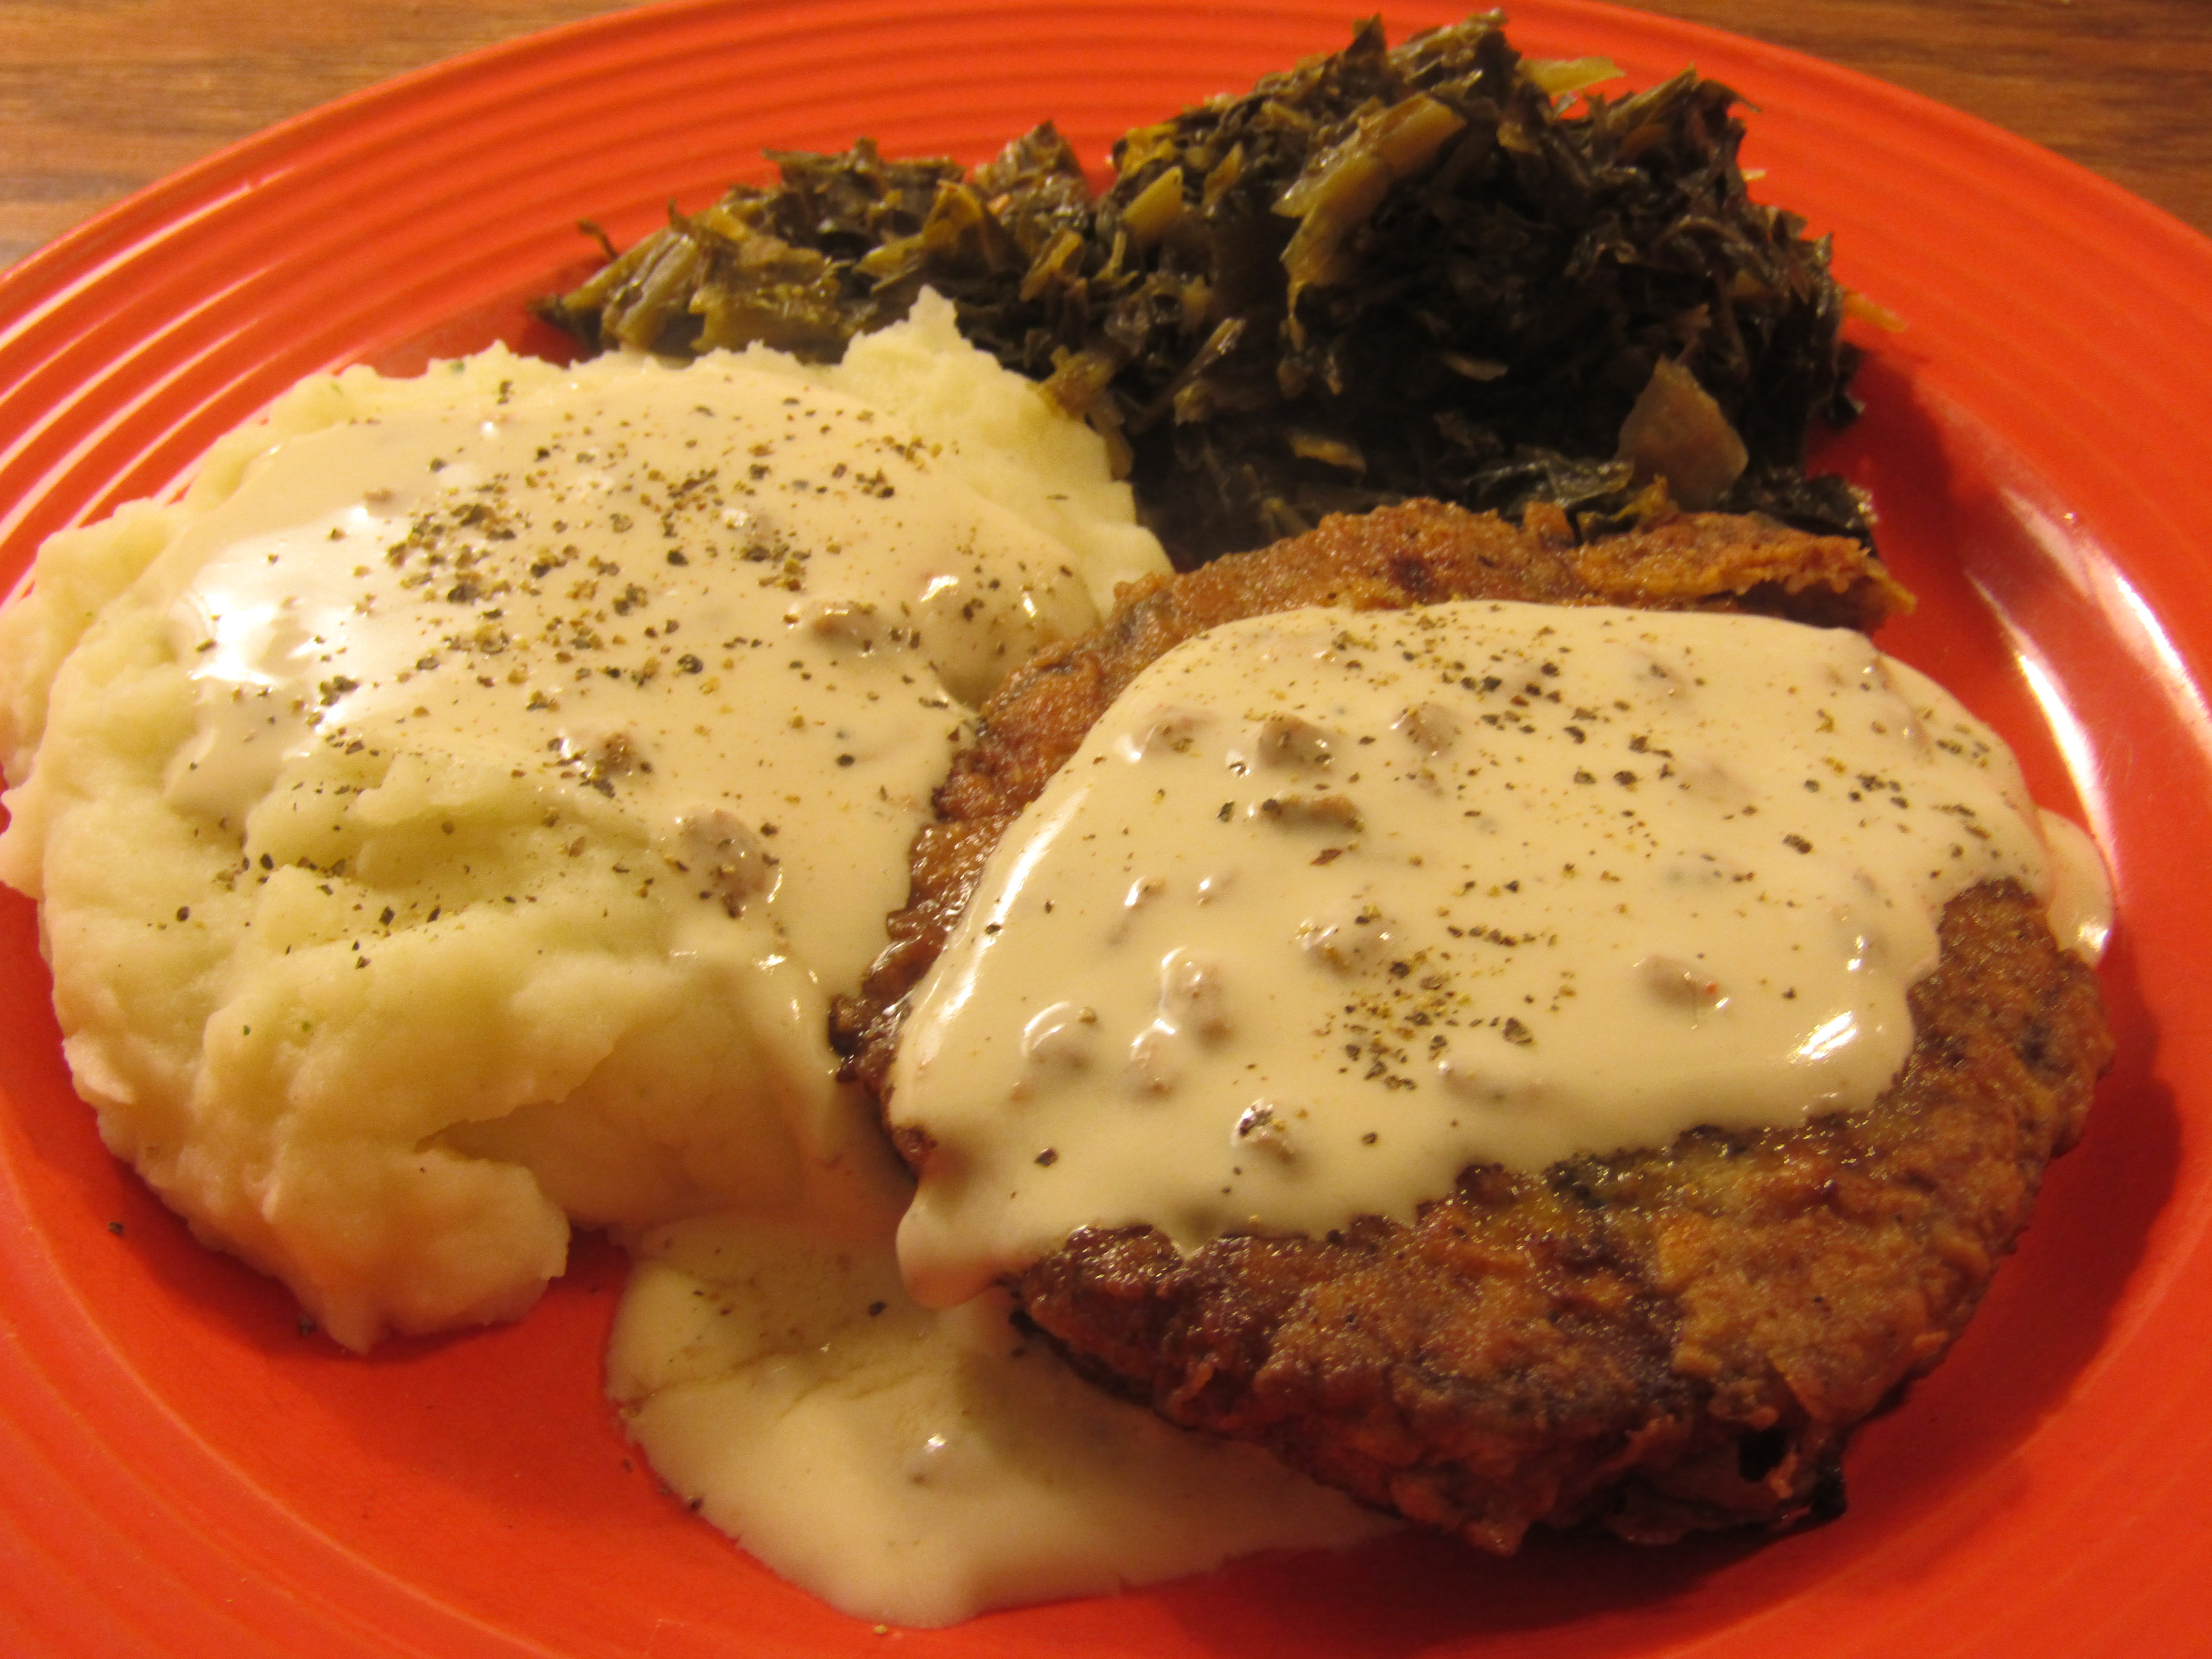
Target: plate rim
[[80, 255]]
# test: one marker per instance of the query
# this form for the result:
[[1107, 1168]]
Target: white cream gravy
[[1332, 905], [749, 610], [912, 1466]]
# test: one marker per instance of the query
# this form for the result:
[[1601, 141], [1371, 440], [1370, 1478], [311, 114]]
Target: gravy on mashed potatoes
[[447, 818]]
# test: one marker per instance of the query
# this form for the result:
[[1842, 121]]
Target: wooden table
[[98, 97]]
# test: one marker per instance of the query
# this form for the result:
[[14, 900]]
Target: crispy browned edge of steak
[[1658, 1342]]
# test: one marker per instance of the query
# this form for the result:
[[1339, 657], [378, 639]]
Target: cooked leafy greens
[[1439, 270]]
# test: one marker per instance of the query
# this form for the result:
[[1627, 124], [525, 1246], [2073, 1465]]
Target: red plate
[[181, 1472]]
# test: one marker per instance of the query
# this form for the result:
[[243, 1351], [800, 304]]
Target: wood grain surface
[[98, 97]]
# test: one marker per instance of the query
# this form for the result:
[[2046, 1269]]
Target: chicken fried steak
[[1655, 1341]]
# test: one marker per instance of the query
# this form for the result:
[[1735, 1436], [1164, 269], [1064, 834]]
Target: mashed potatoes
[[447, 817], [448, 822]]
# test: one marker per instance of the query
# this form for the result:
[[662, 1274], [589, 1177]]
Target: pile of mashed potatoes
[[449, 819]]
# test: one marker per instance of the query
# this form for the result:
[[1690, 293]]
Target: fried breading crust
[[1656, 1342], [1419, 553]]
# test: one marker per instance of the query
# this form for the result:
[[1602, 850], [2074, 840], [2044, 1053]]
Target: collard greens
[[1437, 270]]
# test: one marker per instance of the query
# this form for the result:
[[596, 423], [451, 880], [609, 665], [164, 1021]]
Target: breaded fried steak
[[1658, 1339]]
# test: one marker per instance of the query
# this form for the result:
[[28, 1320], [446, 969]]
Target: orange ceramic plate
[[182, 1472]]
